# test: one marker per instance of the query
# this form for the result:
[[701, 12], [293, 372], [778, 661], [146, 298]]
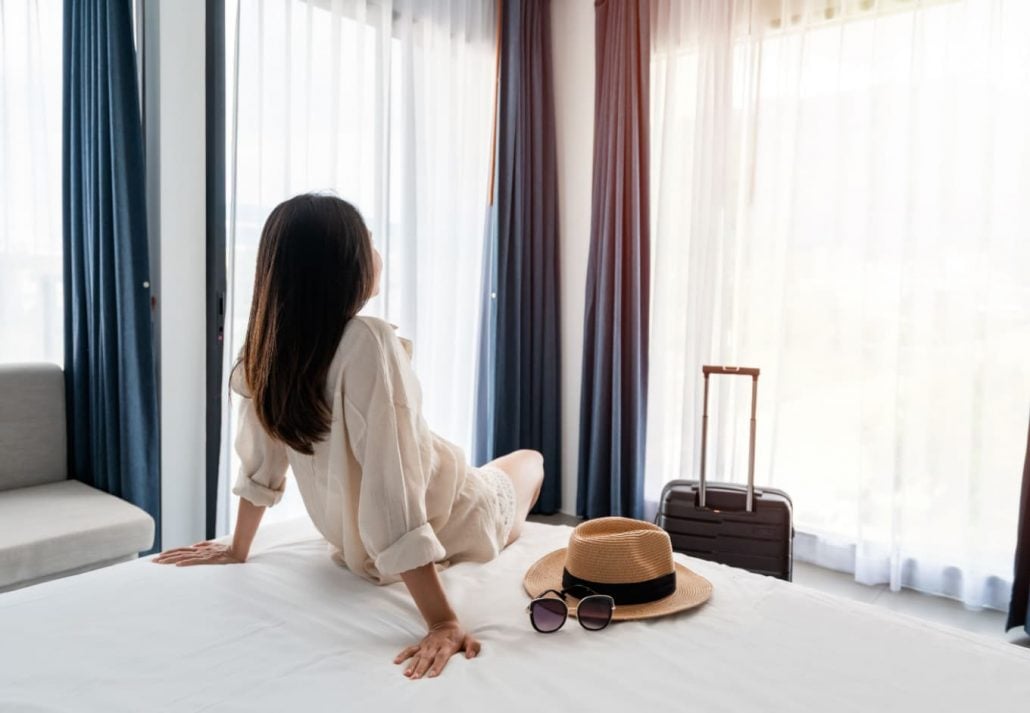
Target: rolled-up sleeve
[[383, 420], [261, 479]]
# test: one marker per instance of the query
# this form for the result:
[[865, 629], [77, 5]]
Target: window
[[31, 273], [843, 206], [391, 110]]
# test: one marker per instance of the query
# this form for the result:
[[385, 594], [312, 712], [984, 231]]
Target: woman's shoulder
[[368, 324], [368, 333], [371, 351], [372, 339], [385, 333]]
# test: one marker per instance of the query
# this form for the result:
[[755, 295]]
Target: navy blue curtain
[[1019, 608], [519, 389], [108, 353], [613, 401]]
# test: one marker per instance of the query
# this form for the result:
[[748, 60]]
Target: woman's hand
[[436, 648], [247, 521], [200, 553]]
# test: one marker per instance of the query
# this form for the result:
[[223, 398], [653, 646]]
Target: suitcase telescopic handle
[[749, 503], [731, 370]]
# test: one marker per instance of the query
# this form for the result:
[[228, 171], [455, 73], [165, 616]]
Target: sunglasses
[[548, 614]]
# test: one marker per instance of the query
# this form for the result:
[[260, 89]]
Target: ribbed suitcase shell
[[719, 521], [760, 541]]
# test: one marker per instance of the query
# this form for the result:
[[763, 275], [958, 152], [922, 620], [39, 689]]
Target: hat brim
[[691, 589]]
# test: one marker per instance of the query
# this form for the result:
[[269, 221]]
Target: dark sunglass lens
[[548, 614], [594, 612]]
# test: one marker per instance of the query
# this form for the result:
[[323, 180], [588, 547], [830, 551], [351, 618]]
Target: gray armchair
[[51, 526]]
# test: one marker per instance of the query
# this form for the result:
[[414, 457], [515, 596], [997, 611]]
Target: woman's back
[[387, 493]]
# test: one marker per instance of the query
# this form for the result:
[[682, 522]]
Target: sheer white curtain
[[31, 307], [388, 104], [840, 198]]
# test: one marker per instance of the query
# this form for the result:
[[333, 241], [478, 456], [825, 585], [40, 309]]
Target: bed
[[291, 631]]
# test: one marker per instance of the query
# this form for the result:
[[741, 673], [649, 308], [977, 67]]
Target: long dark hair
[[315, 270]]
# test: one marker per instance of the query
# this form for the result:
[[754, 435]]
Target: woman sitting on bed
[[333, 396]]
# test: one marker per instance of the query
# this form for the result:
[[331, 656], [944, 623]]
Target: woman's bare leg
[[526, 470]]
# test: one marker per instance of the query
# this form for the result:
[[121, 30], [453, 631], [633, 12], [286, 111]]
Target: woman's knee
[[524, 462], [525, 468], [534, 460], [532, 473], [538, 473]]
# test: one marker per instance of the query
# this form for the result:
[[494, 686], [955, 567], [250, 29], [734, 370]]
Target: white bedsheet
[[291, 631]]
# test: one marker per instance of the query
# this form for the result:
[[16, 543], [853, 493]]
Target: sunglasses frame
[[591, 594]]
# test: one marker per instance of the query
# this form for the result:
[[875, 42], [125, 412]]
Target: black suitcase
[[733, 524]]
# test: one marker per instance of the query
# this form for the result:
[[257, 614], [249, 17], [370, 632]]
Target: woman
[[334, 396]]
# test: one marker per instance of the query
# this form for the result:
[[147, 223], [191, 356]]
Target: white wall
[[175, 116], [572, 39]]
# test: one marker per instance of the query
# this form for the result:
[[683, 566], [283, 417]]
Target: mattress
[[292, 631]]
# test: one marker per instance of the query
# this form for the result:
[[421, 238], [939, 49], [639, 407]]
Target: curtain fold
[[613, 402], [109, 358], [1019, 604], [519, 395]]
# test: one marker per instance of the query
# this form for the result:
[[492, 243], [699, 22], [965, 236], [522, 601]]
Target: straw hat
[[631, 560]]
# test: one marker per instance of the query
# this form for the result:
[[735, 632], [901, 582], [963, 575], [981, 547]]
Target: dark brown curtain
[[613, 403], [1018, 614]]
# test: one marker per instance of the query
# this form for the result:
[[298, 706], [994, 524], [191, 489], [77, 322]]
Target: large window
[[388, 105], [31, 307], [843, 204]]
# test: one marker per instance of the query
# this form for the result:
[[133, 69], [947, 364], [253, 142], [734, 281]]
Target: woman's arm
[[427, 591], [445, 637], [390, 441], [259, 483], [248, 517]]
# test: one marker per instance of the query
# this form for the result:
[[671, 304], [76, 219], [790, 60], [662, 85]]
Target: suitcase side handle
[[706, 371]]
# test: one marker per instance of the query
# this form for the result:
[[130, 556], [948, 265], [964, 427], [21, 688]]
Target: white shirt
[[387, 493]]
